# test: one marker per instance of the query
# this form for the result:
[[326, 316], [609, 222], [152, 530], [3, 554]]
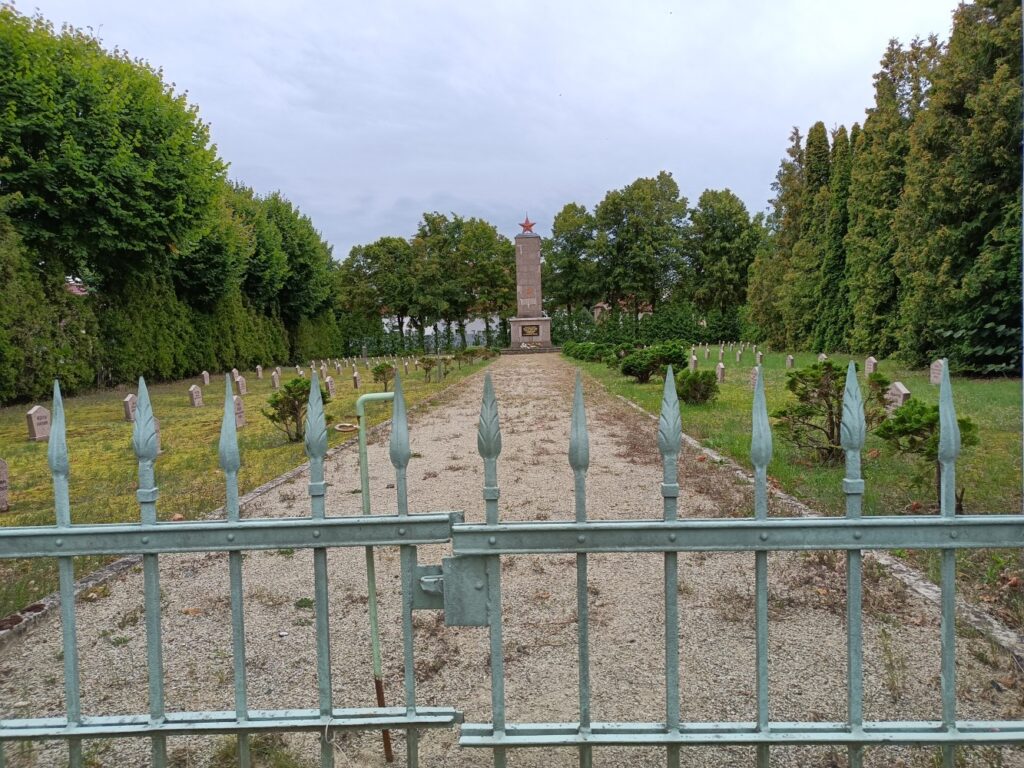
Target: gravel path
[[807, 636]]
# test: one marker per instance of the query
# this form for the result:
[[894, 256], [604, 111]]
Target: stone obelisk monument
[[530, 329]]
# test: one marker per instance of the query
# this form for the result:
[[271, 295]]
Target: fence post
[[579, 460], [760, 457]]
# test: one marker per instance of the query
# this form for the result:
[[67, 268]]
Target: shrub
[[696, 388], [383, 373], [288, 408], [913, 429], [674, 353], [640, 365], [813, 422], [427, 364]]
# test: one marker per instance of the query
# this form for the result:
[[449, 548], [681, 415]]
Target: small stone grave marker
[[935, 372], [895, 396], [721, 354], [243, 389], [38, 419], [259, 371], [822, 357], [206, 378], [760, 358], [707, 353], [720, 372], [195, 396], [753, 377], [355, 380], [239, 412], [275, 380], [870, 366], [5, 504], [739, 353], [234, 374], [130, 403], [329, 381], [405, 364], [693, 363], [789, 361]]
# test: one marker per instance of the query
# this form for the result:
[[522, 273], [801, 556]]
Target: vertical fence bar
[[670, 439], [230, 462], [144, 443], [488, 443], [371, 573], [400, 454], [949, 450], [316, 449], [57, 456], [760, 457], [851, 438], [579, 460]]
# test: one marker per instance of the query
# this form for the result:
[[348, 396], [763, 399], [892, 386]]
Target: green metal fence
[[467, 586]]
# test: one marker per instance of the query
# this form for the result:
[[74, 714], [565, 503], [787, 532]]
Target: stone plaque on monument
[[530, 329], [206, 377], [239, 412], [895, 396], [5, 504], [935, 373], [130, 403], [195, 396], [38, 419]]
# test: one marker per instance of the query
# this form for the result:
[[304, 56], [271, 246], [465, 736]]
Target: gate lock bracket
[[458, 586]]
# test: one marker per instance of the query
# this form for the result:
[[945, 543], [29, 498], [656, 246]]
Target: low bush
[[640, 365], [288, 408], [697, 387]]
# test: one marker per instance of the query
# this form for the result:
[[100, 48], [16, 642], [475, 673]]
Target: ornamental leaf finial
[[852, 429], [761, 433], [316, 424], [144, 428], [227, 448], [579, 442], [57, 449], [670, 427], [488, 433], [949, 428]]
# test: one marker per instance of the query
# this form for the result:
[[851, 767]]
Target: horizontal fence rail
[[468, 587]]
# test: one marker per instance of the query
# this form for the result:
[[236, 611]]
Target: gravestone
[[405, 365], [720, 372], [822, 357], [275, 380], [323, 372], [239, 412], [130, 403], [707, 353], [789, 361], [242, 387], [895, 396], [753, 377], [721, 354], [739, 354], [870, 366], [329, 381], [693, 363], [278, 369], [195, 396], [298, 371], [530, 329], [760, 358], [206, 378], [234, 374], [355, 380], [935, 372], [5, 504], [38, 419], [259, 371]]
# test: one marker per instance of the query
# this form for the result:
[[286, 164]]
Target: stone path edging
[[15, 623], [1012, 642]]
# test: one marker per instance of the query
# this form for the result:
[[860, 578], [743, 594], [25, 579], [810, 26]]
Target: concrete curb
[[977, 617]]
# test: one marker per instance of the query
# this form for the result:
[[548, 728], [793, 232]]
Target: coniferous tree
[[959, 222], [833, 316]]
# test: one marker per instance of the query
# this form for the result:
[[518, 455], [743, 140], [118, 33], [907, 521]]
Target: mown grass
[[990, 472], [103, 466]]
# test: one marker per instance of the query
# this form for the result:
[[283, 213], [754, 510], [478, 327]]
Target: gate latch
[[458, 585]]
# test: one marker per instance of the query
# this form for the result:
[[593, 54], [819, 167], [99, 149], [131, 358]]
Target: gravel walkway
[[807, 636]]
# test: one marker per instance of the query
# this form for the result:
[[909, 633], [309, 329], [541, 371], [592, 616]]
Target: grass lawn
[[103, 466], [990, 472]]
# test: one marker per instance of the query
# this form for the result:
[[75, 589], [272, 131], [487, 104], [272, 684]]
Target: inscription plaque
[[531, 330]]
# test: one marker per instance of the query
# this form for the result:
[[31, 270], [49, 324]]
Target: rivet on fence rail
[[579, 460], [760, 457], [488, 443], [949, 450], [400, 453], [230, 462], [851, 438], [144, 443], [670, 440], [315, 439], [57, 457]]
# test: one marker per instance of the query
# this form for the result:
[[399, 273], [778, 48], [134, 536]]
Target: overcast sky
[[367, 114]]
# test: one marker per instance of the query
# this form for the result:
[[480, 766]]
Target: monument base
[[530, 333]]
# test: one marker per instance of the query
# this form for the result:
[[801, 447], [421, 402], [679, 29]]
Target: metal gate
[[467, 586]]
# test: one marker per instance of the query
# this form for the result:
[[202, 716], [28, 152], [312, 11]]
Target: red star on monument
[[527, 225]]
